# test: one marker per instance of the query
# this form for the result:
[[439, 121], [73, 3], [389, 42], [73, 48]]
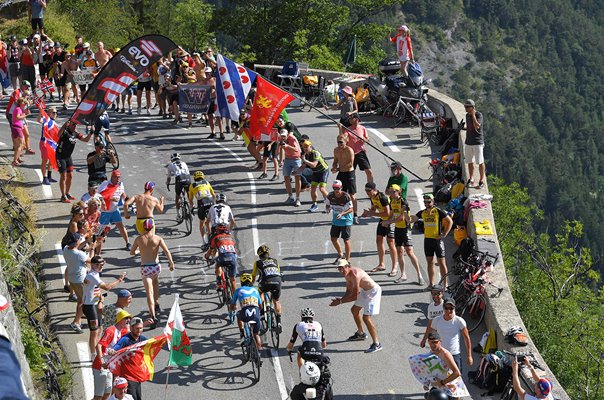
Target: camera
[[520, 357]]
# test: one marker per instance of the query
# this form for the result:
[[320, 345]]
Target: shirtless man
[[145, 204], [343, 164], [70, 65], [366, 295], [148, 244], [102, 56]]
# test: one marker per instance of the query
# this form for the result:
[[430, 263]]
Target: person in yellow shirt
[[399, 216], [437, 225], [201, 190]]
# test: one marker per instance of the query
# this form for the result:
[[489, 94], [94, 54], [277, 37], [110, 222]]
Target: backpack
[[465, 249], [444, 193]]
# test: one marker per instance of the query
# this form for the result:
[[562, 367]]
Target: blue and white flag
[[233, 83]]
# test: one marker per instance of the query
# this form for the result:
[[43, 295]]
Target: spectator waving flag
[[270, 100], [50, 137], [135, 363], [233, 83], [180, 345]]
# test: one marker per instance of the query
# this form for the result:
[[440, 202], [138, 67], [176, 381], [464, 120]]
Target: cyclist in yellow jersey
[[380, 207], [399, 216], [437, 225], [201, 190]]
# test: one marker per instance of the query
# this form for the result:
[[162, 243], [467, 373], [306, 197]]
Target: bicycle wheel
[[186, 216], [179, 210], [16, 208], [111, 150], [473, 312], [397, 112], [274, 328], [221, 295], [245, 349], [20, 232], [255, 359], [226, 293]]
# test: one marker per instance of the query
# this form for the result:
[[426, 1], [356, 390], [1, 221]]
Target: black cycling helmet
[[263, 250], [437, 394], [221, 198]]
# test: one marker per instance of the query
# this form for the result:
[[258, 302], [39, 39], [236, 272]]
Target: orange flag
[[135, 362], [268, 103]]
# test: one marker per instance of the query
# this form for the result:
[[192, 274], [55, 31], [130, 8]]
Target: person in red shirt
[[291, 164], [404, 49], [357, 142]]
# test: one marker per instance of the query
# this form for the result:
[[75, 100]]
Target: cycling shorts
[[250, 313], [383, 231], [272, 285], [402, 237], [202, 210], [181, 184], [144, 86], [229, 262], [65, 164], [311, 351], [319, 178], [434, 247], [92, 316]]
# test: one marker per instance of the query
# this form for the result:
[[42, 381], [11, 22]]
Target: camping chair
[[290, 75]]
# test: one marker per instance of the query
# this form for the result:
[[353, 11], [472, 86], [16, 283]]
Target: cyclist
[[250, 301], [204, 193], [221, 213], [269, 278], [101, 129], [312, 336], [182, 178], [223, 243], [315, 382]]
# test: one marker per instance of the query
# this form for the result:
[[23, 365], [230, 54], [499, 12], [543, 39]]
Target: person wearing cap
[[145, 204], [437, 225], [348, 106], [313, 159], [367, 296], [380, 207], [341, 225], [144, 84], [120, 389], [435, 309], [343, 164], [397, 178], [149, 244], [357, 136], [97, 163], [48, 123], [269, 150], [291, 165], [14, 62], [87, 62], [133, 337], [111, 335], [399, 216], [114, 195], [68, 136], [110, 311], [404, 49], [542, 387], [452, 328], [447, 362], [75, 262], [92, 302], [474, 144], [202, 191]]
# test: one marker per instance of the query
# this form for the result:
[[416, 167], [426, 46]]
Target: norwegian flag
[[135, 363], [45, 86], [50, 137], [233, 83]]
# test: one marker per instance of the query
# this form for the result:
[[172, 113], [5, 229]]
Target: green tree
[[190, 24]]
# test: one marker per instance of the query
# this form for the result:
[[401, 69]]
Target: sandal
[[392, 273], [400, 279], [378, 269]]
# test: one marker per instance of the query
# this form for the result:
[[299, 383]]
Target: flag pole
[[166, 386], [349, 130]]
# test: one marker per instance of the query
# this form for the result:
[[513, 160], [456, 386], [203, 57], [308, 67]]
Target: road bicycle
[[184, 213], [224, 289], [471, 305], [269, 320], [250, 349]]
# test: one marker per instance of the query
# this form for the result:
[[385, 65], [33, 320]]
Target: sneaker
[[65, 200], [52, 180], [69, 196], [262, 176], [45, 181], [275, 177], [313, 208], [297, 203], [72, 297], [212, 136], [290, 200], [77, 328], [358, 337], [374, 348], [128, 246], [357, 221]]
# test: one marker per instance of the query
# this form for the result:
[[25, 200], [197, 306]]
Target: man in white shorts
[[474, 144], [367, 296]]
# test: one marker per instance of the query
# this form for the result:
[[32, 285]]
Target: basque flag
[[233, 83]]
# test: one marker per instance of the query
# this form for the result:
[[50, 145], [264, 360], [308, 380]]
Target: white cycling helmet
[[174, 157], [310, 373], [307, 313]]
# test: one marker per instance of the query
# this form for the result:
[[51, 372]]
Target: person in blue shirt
[[135, 335], [342, 205], [250, 301]]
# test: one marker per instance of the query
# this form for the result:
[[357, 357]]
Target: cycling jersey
[[308, 332], [220, 214], [397, 206], [224, 243], [247, 296], [67, 142], [380, 201], [315, 155], [202, 191], [432, 221], [179, 170], [267, 268]]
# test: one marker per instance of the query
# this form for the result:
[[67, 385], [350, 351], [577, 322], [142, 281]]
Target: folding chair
[[290, 76]]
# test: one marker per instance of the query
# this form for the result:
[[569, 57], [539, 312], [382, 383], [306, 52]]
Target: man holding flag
[[48, 144], [66, 144], [180, 345]]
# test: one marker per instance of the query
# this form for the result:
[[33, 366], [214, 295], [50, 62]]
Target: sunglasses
[[433, 341], [341, 142], [337, 188], [436, 294], [427, 201]]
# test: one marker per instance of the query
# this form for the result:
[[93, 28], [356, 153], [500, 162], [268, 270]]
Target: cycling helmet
[[262, 250], [310, 373], [221, 198], [246, 278], [174, 157], [437, 394], [148, 224], [149, 185], [307, 313], [222, 228], [198, 175]]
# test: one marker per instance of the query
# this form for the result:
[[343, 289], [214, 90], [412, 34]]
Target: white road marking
[[2, 144], [46, 189], [279, 374], [420, 198], [85, 364], [327, 243], [231, 152], [62, 264], [384, 139]]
